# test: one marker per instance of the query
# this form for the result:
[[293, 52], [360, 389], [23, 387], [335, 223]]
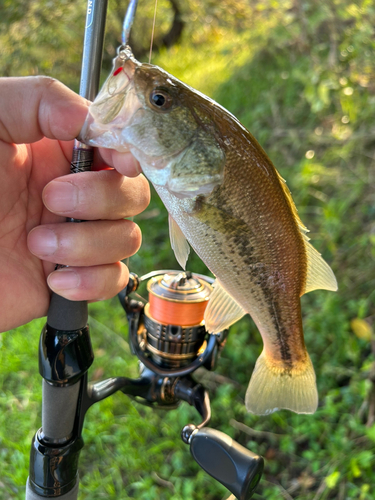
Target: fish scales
[[225, 197], [267, 261]]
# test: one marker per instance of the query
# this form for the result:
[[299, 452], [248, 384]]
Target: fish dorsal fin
[[288, 195], [179, 243], [222, 310], [319, 274]]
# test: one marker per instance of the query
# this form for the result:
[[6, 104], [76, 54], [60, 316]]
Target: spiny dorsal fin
[[222, 310], [319, 274]]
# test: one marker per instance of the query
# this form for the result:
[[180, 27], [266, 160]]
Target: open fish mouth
[[113, 108]]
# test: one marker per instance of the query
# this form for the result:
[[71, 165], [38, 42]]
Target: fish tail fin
[[273, 388]]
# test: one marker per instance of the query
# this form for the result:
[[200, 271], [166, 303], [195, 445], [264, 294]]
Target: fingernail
[[63, 280], [42, 241], [60, 196]]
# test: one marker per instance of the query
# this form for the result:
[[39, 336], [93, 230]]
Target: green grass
[[279, 78]]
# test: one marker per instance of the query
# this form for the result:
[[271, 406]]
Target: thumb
[[34, 107]]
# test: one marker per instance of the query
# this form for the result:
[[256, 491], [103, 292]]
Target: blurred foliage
[[300, 75]]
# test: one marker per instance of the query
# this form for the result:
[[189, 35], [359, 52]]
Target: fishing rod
[[166, 333]]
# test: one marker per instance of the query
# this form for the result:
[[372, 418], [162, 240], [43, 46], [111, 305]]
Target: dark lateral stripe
[[281, 333]]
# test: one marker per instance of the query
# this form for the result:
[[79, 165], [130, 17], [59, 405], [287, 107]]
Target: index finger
[[37, 106]]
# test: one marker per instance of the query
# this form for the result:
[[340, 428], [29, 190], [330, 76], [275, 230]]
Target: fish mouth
[[102, 135], [113, 108]]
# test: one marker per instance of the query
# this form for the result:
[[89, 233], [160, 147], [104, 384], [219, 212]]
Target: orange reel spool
[[178, 299], [174, 332]]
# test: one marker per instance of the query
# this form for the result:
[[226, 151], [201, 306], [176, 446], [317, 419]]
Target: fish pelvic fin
[[222, 310], [179, 243], [272, 388], [319, 274]]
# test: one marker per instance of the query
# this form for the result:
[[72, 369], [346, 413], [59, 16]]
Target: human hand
[[39, 117]]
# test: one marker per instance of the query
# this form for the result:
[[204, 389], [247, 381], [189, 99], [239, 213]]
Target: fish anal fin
[[319, 274], [273, 388], [179, 243], [222, 310]]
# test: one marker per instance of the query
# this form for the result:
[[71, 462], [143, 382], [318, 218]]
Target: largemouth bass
[[225, 198]]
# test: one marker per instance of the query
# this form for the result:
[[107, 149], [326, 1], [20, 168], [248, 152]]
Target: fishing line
[[152, 33]]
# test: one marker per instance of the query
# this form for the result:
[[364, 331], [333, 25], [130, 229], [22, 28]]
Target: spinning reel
[[168, 336]]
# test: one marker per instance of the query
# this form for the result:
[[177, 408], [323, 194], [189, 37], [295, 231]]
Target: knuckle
[[45, 81]]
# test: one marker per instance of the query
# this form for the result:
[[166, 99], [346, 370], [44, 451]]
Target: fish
[[227, 201]]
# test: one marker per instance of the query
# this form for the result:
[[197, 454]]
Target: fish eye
[[160, 99]]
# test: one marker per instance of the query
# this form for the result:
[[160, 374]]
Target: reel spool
[[174, 332]]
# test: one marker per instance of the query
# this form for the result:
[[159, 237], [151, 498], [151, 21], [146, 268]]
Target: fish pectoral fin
[[319, 274], [273, 388], [179, 243], [222, 310]]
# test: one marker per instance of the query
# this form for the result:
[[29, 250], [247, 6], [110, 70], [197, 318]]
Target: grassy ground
[[302, 82]]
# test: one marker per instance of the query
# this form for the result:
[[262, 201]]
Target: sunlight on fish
[[226, 199]]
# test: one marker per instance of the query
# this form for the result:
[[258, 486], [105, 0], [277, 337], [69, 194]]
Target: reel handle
[[234, 466]]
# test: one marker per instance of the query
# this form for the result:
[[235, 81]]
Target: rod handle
[[234, 466], [64, 314]]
